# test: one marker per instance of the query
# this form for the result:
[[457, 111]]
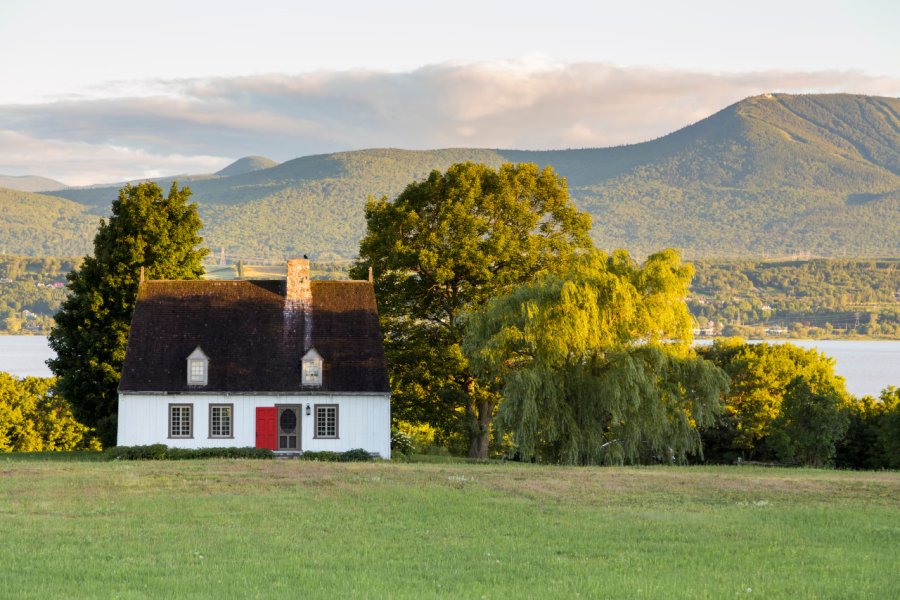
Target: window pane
[[312, 372], [288, 421], [220, 421], [180, 420], [326, 421], [198, 371]]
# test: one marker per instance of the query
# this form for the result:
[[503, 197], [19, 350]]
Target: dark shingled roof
[[253, 338]]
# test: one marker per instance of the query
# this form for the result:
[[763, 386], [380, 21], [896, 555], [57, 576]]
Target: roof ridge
[[340, 281]]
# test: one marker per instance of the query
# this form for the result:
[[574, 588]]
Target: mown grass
[[51, 456], [268, 529]]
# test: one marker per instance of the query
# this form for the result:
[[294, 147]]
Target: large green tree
[[596, 365], [873, 436], [810, 425], [442, 249], [889, 428], [147, 230], [760, 376]]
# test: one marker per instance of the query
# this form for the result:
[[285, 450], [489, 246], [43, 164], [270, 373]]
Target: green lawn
[[297, 529]]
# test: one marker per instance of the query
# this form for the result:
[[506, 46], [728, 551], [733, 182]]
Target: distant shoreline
[[849, 338]]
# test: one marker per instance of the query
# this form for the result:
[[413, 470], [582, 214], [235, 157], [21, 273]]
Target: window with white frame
[[198, 371], [180, 420], [311, 368], [197, 367], [326, 420], [220, 420]]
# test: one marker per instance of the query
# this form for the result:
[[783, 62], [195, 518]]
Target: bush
[[356, 455], [322, 455], [401, 443], [163, 452], [422, 436], [152, 452], [187, 454]]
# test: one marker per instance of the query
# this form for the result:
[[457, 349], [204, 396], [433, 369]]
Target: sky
[[106, 91]]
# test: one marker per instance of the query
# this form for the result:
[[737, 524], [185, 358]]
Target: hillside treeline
[[41, 225], [31, 291], [800, 299], [821, 298]]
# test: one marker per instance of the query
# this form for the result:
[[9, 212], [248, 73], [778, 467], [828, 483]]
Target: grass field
[[296, 529]]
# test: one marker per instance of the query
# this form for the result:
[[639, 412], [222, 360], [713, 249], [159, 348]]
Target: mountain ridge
[[771, 174], [30, 183]]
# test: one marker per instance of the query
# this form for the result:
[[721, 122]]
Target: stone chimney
[[298, 289], [298, 299]]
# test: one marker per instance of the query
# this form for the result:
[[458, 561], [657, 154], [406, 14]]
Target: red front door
[[267, 427]]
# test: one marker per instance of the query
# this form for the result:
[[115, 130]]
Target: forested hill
[[770, 175], [30, 183], [38, 225]]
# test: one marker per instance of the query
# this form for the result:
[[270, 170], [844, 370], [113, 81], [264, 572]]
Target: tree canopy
[[146, 230], [33, 418], [810, 425], [760, 377], [443, 248], [595, 363]]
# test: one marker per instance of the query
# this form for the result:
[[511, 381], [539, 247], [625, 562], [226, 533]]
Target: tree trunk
[[481, 415]]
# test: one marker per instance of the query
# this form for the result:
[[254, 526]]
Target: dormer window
[[311, 368], [197, 367]]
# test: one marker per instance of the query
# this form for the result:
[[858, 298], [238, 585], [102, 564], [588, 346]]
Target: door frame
[[299, 409]]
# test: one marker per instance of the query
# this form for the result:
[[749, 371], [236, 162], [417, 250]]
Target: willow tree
[[595, 364], [147, 232], [442, 249]]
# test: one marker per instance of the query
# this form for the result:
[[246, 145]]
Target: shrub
[[421, 435], [356, 455], [401, 443], [162, 452], [322, 455], [152, 452]]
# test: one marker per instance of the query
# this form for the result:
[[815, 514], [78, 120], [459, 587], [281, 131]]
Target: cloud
[[199, 125]]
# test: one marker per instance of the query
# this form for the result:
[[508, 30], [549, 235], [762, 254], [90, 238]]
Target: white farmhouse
[[293, 366]]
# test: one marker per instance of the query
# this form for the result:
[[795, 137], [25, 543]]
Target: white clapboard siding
[[363, 420]]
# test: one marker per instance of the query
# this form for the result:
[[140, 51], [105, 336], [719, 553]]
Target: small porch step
[[286, 453]]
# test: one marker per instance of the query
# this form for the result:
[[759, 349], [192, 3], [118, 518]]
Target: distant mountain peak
[[248, 164], [30, 183], [772, 174]]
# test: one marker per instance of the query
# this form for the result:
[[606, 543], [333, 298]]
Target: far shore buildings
[[292, 365]]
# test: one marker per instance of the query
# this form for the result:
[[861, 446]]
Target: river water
[[869, 366]]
